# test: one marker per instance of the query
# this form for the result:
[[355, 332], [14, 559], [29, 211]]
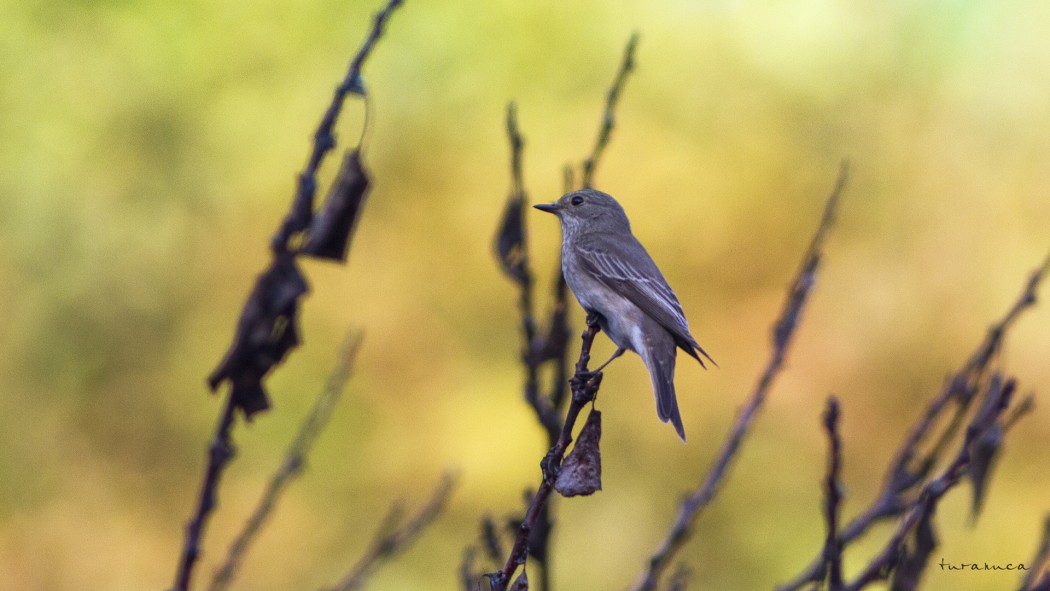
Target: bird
[[614, 278]]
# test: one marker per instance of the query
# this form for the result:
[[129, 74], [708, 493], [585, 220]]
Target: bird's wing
[[637, 277]]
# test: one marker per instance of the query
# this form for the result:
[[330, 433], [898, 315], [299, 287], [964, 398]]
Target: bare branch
[[220, 452], [267, 328], [919, 515], [584, 388], [549, 345], [784, 329], [513, 254], [832, 554], [905, 474], [608, 119], [298, 218], [391, 539], [294, 460], [1038, 574]]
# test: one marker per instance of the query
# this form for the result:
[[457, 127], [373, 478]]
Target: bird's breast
[[621, 317]]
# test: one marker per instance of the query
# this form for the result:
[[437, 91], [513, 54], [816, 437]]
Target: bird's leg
[[586, 375], [618, 352]]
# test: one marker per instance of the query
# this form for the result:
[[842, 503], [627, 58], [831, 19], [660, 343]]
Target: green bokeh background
[[149, 150]]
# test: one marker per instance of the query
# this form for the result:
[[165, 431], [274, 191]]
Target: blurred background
[[148, 153]]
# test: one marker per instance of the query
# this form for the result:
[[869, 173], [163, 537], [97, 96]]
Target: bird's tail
[[660, 361], [692, 347]]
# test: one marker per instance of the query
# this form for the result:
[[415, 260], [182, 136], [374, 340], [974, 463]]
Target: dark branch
[[1039, 569], [392, 539], [918, 515], [512, 251], [584, 388], [293, 462], [267, 328], [220, 452], [783, 330], [905, 474], [608, 118], [547, 346], [299, 217], [832, 554]]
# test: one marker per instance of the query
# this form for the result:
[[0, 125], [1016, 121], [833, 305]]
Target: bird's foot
[[550, 468]]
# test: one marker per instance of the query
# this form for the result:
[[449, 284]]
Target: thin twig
[[512, 250], [556, 342], [584, 388], [548, 346], [391, 540], [1039, 566], [220, 452], [267, 328], [608, 119], [299, 216], [293, 462], [998, 399], [883, 563], [903, 476], [783, 330], [833, 496]]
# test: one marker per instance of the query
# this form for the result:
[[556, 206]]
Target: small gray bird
[[613, 277]]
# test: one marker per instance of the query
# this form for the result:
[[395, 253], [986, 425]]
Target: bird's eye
[[577, 200]]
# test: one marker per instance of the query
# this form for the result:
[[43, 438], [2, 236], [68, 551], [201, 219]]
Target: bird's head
[[588, 210]]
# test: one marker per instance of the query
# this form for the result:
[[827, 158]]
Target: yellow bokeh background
[[149, 151]]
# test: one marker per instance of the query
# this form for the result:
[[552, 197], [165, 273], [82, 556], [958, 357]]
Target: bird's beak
[[548, 207]]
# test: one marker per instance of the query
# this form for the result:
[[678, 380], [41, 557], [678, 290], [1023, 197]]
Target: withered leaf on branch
[[266, 331], [914, 557], [581, 472], [510, 241], [333, 226], [983, 455], [985, 447]]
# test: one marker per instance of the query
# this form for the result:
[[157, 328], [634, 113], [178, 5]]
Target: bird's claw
[[583, 378], [549, 468]]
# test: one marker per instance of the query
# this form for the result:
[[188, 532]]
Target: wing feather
[[633, 274]]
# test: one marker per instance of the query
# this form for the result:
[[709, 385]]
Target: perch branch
[[584, 388]]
